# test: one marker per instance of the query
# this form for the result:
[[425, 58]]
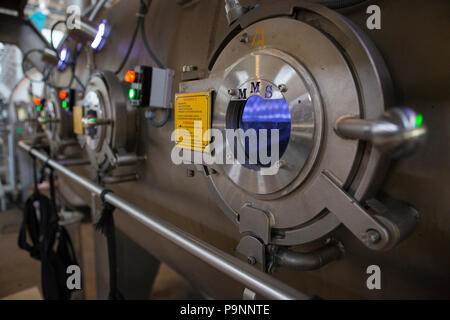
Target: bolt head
[[190, 173], [370, 237], [283, 88], [251, 260], [188, 68], [279, 164], [245, 38]]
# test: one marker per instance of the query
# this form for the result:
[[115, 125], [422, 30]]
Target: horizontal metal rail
[[253, 279]]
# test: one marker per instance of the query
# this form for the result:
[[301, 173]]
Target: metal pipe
[[89, 9], [96, 9], [69, 142], [74, 162], [397, 131], [355, 128], [234, 10], [120, 178], [43, 120], [236, 269], [92, 122], [128, 159], [305, 261]]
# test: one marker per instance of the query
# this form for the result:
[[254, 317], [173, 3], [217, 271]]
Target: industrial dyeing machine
[[357, 92]]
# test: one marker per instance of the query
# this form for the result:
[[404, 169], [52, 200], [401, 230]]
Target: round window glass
[[264, 116]]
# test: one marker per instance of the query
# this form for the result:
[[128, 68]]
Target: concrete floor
[[18, 271], [20, 274]]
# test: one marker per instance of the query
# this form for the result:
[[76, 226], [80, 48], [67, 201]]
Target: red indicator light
[[62, 94], [130, 76], [36, 101]]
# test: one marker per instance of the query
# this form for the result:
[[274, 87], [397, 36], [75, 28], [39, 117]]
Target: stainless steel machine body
[[333, 72]]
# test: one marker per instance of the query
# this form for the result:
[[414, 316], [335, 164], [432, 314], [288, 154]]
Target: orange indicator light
[[62, 94], [130, 76]]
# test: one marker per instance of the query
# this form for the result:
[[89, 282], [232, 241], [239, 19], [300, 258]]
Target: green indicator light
[[38, 108], [19, 130], [64, 104], [93, 120], [419, 120], [132, 93], [45, 119]]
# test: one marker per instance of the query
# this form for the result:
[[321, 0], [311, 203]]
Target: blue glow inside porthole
[[260, 113]]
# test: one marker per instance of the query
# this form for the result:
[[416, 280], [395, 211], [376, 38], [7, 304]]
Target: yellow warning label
[[77, 115], [192, 120]]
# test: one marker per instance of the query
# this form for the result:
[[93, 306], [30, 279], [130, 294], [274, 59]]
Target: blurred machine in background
[[363, 116]]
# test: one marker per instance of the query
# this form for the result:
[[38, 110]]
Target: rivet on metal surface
[[283, 88]]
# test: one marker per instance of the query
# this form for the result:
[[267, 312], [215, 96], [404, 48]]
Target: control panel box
[[150, 87]]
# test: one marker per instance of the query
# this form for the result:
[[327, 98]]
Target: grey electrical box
[[161, 88]]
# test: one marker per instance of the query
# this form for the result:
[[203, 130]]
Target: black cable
[[158, 63], [25, 56], [45, 78], [143, 10], [72, 77], [53, 29], [106, 226], [72, 63], [130, 47], [68, 86], [162, 122], [79, 82], [147, 46]]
